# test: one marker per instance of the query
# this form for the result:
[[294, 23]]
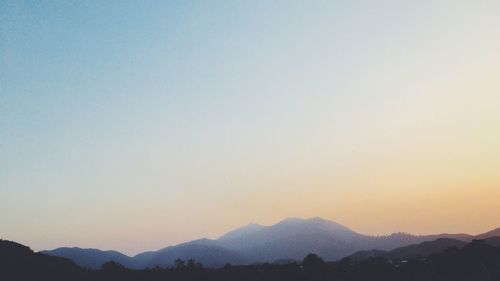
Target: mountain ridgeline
[[478, 260], [290, 239]]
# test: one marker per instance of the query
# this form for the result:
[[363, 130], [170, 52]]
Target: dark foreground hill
[[292, 238], [475, 261], [420, 250], [19, 263]]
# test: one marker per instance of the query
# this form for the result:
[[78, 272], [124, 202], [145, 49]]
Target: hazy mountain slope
[[91, 258], [492, 233], [244, 231], [208, 252], [394, 240]]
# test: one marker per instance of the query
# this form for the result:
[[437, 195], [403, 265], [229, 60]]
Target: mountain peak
[[242, 231], [291, 219], [299, 220], [316, 222], [318, 219]]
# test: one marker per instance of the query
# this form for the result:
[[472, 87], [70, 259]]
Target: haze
[[133, 125]]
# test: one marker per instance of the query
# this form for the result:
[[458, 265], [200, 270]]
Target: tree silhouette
[[112, 266], [179, 264], [192, 264], [312, 262], [314, 267]]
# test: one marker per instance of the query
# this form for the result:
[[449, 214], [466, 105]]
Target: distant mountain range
[[441, 259], [91, 258], [290, 239]]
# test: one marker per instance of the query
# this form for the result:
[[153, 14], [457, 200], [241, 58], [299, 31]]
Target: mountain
[[18, 262], [294, 238], [289, 239], [91, 258]]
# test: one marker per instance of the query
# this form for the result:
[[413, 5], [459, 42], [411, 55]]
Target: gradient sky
[[137, 125]]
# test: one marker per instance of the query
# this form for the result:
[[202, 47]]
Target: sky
[[133, 125]]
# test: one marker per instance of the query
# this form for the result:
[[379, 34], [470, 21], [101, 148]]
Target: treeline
[[477, 261]]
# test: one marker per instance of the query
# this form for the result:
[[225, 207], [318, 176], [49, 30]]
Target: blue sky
[[173, 120]]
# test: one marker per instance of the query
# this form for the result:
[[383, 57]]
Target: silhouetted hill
[[91, 258], [18, 262], [429, 247], [493, 241], [423, 249]]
